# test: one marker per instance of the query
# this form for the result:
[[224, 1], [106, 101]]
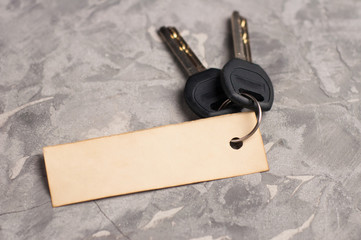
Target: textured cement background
[[72, 70]]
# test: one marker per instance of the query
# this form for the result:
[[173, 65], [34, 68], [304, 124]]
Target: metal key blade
[[241, 44], [181, 50]]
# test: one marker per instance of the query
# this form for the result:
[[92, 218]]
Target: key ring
[[258, 113]]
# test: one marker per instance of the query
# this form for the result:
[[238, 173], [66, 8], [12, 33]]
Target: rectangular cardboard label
[[161, 157]]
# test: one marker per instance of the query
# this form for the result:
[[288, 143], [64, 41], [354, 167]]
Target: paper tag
[[155, 158]]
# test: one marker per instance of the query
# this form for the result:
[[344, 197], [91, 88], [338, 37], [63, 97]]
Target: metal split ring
[[258, 114]]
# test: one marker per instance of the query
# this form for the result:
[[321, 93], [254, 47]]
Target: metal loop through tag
[[258, 113]]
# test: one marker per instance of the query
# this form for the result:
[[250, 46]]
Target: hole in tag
[[235, 145]]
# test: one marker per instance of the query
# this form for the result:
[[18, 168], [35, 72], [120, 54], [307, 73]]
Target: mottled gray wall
[[72, 70]]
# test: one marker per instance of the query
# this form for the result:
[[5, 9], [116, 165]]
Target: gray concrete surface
[[72, 70]]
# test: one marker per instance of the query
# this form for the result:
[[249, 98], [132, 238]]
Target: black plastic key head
[[204, 94], [203, 91], [240, 76]]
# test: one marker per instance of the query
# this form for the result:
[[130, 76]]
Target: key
[[240, 75], [203, 91]]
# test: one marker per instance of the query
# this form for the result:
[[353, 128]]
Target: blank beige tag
[[155, 158]]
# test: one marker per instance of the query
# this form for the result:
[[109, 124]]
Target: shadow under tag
[[160, 157]]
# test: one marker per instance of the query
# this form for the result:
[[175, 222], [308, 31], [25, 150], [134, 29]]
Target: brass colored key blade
[[181, 50], [241, 44]]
